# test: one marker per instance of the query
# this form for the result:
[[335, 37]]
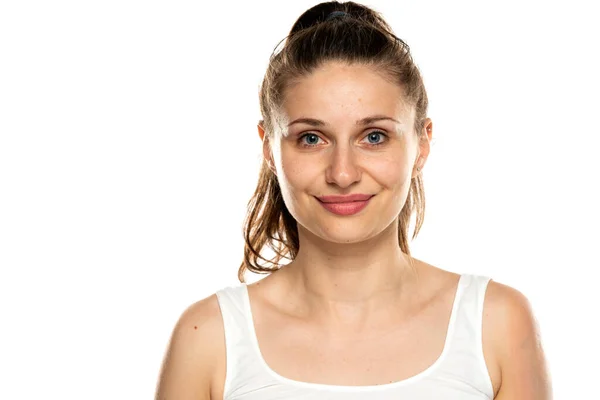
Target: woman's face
[[345, 130]]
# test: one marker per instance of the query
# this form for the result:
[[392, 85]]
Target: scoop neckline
[[358, 388]]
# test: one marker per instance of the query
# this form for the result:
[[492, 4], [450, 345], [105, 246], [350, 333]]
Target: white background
[[128, 151]]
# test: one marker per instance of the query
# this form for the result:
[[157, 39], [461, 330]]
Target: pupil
[[312, 139], [374, 136]]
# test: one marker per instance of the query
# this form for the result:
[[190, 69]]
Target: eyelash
[[370, 144]]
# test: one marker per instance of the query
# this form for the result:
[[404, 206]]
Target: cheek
[[390, 172], [297, 172]]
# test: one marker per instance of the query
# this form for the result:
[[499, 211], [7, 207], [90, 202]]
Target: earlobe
[[419, 164], [418, 167]]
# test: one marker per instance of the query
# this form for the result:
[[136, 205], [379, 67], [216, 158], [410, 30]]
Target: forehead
[[338, 91]]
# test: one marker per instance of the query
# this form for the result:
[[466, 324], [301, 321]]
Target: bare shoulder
[[513, 338], [194, 354]]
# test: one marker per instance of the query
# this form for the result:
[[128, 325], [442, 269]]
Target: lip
[[345, 205], [344, 199]]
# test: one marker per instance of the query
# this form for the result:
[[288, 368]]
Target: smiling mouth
[[345, 199], [347, 207]]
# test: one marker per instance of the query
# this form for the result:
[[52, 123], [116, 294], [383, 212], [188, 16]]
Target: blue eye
[[312, 139], [374, 135]]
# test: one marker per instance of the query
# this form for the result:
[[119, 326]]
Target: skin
[[347, 267], [350, 287]]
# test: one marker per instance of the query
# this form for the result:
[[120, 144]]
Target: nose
[[342, 168]]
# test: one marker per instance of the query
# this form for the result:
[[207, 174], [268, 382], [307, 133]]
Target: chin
[[352, 229], [341, 233]]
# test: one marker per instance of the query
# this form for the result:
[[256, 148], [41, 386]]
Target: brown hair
[[354, 34]]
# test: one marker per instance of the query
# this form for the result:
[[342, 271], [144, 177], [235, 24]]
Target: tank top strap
[[242, 362], [465, 345]]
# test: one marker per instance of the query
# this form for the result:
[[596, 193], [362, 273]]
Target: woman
[[345, 137]]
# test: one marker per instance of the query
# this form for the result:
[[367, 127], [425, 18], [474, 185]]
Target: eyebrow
[[360, 122]]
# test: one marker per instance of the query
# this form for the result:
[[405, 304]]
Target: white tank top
[[460, 372]]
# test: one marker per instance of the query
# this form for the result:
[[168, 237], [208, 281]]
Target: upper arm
[[189, 363], [518, 346]]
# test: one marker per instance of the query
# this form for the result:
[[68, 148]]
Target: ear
[[266, 146], [261, 130], [424, 147]]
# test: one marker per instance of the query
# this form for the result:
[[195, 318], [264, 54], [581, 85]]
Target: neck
[[347, 283]]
